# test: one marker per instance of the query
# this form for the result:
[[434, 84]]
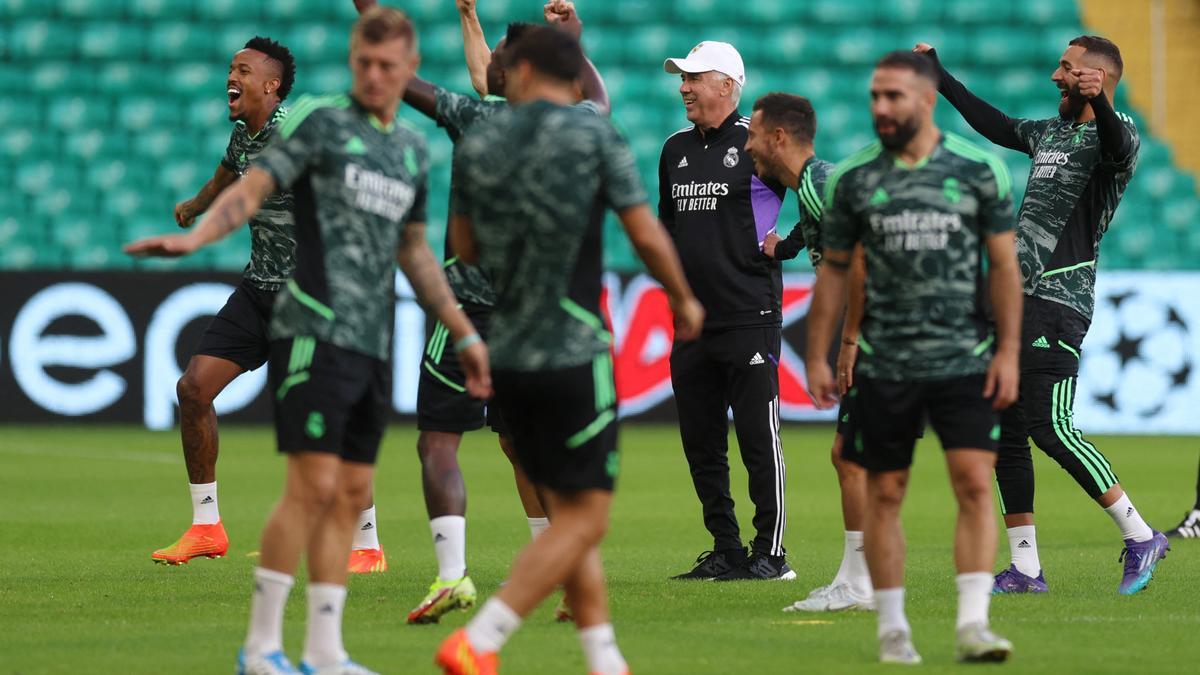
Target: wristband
[[466, 341]]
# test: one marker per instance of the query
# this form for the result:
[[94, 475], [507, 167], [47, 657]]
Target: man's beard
[[905, 131], [1070, 107]]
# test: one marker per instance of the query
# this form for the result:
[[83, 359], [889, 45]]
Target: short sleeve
[[839, 224], [995, 200], [230, 160], [296, 148], [1030, 133], [621, 185], [457, 112]]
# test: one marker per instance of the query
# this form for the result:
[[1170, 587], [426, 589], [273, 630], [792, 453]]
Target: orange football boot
[[367, 560], [207, 541], [456, 656]]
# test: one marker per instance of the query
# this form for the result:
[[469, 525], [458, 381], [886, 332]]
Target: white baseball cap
[[706, 56]]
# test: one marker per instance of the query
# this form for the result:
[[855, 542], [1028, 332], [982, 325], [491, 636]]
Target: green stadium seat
[[196, 78], [854, 14], [1042, 13], [62, 197], [77, 112], [232, 38], [857, 46], [1182, 215], [18, 111], [90, 9], [322, 42], [916, 12], [228, 10], [38, 39], [179, 40], [139, 113], [111, 41], [26, 8], [974, 12], [775, 15], [707, 13]]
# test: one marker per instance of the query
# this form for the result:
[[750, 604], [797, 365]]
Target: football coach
[[719, 212]]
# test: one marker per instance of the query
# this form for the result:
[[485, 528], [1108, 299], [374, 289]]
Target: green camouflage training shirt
[[534, 182], [923, 230], [807, 232], [272, 246], [1072, 195], [356, 185]]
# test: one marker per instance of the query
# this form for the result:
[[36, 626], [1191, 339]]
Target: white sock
[[450, 545], [854, 564], [1129, 520], [323, 638], [271, 590], [493, 624], [1022, 544], [204, 503], [537, 526], [366, 535], [890, 603], [600, 647], [974, 594]]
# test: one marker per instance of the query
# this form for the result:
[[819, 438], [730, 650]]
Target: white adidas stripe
[[780, 478]]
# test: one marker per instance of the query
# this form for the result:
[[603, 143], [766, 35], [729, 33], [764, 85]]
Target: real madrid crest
[[731, 158]]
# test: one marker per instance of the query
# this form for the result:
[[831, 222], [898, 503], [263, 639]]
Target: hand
[[185, 215], [821, 386], [364, 5], [465, 6], [847, 356], [689, 318], [165, 246], [1003, 379], [1090, 82], [474, 360], [562, 15], [770, 243], [923, 48]]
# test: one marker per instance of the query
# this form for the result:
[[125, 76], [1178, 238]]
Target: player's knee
[[1046, 438], [434, 448], [887, 492], [189, 391]]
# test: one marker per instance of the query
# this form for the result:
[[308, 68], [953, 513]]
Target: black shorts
[[328, 399], [563, 424], [238, 332], [443, 403], [889, 417]]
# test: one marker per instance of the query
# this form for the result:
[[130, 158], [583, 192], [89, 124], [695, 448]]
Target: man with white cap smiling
[[719, 212]]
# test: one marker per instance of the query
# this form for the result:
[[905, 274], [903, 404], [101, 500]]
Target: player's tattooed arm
[[475, 46], [981, 115], [562, 15], [230, 211], [856, 301], [1004, 284], [655, 248], [187, 210], [829, 295]]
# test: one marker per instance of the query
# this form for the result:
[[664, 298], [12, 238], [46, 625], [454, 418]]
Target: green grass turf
[[83, 507]]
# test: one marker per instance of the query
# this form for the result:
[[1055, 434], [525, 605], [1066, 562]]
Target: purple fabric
[[766, 205]]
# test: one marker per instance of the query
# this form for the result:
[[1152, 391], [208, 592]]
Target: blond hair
[[383, 24]]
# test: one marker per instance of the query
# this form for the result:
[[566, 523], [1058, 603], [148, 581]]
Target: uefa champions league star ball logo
[[731, 158], [1150, 357]]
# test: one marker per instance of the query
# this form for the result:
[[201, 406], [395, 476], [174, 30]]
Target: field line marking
[[151, 457]]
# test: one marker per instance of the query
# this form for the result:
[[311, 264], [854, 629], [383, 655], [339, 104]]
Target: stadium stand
[[114, 109]]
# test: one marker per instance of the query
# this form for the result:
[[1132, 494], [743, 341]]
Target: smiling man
[[719, 212], [1083, 158]]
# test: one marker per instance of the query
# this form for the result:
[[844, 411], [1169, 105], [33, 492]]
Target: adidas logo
[[1024, 544], [682, 163], [242, 158], [880, 197], [355, 146], [1042, 343], [1129, 512], [368, 526], [326, 609], [207, 500], [859, 549], [439, 537], [757, 359]]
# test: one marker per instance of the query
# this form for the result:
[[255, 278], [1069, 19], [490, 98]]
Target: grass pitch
[[83, 507]]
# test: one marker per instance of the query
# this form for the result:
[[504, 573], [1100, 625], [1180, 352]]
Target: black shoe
[[1188, 528], [712, 564], [760, 567]]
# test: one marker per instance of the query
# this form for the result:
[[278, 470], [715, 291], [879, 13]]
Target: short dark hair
[[516, 30], [1103, 47], [277, 52], [550, 51], [921, 64], [794, 114]]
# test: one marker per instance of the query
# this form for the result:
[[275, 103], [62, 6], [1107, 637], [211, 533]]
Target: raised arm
[[1004, 283], [420, 95], [981, 115], [187, 210], [655, 249], [475, 46], [229, 212], [562, 14]]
